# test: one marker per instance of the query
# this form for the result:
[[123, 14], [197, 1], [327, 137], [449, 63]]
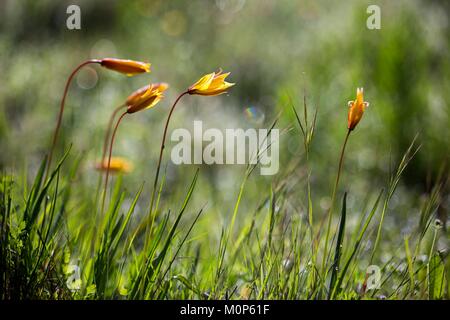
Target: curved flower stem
[[61, 111], [333, 196], [105, 147], [109, 158], [155, 183], [108, 130]]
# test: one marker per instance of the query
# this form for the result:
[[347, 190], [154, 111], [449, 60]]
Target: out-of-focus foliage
[[275, 49], [271, 48]]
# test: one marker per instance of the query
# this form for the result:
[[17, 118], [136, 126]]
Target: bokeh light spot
[[254, 115], [174, 23], [87, 78], [103, 48], [232, 6]]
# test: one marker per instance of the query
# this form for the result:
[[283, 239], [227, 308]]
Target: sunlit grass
[[223, 232], [49, 251]]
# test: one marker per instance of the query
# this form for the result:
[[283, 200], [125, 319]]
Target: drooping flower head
[[146, 97], [128, 67], [211, 84], [117, 165], [356, 109]]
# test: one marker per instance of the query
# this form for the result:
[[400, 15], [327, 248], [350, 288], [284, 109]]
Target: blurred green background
[[273, 49]]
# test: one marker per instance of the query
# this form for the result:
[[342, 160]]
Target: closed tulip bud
[[356, 109], [128, 67]]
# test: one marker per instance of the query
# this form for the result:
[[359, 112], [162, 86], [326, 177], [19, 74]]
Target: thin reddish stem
[[155, 183], [164, 136], [333, 197], [108, 131], [109, 158], [61, 111], [105, 148]]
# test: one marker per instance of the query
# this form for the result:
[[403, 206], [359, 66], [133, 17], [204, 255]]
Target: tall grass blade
[[338, 249]]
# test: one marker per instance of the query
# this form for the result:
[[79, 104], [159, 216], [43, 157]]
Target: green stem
[[430, 255], [377, 239]]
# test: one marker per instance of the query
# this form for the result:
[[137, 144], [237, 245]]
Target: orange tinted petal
[[146, 97], [128, 67]]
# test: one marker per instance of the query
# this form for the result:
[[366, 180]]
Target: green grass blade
[[338, 250], [436, 277]]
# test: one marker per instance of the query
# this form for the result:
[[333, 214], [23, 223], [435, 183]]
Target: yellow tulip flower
[[211, 84], [146, 97]]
